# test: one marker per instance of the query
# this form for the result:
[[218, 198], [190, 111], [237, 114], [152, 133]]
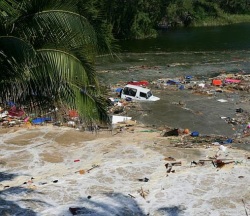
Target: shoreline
[[123, 174]]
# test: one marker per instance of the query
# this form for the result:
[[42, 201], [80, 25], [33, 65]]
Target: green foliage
[[235, 6], [124, 19], [189, 12], [132, 18], [48, 50], [93, 11]]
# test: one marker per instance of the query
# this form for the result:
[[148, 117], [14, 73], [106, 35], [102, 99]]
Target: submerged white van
[[137, 93]]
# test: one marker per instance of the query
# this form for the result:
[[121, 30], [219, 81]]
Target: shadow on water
[[9, 207], [170, 211], [119, 205]]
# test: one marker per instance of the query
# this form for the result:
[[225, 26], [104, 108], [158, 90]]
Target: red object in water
[[76, 160], [73, 113], [139, 83], [217, 82], [17, 112]]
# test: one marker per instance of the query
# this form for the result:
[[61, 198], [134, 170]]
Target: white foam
[[188, 191]]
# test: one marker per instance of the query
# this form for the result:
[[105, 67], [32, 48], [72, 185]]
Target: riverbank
[[49, 170], [227, 19]]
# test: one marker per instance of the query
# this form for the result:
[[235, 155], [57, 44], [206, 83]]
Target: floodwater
[[47, 170], [201, 52]]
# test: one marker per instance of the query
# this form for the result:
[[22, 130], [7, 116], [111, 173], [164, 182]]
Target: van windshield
[[149, 94]]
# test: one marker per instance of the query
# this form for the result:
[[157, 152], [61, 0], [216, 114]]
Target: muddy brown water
[[200, 112], [200, 52]]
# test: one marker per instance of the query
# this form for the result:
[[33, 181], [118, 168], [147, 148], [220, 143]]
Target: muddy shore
[[49, 170], [135, 168]]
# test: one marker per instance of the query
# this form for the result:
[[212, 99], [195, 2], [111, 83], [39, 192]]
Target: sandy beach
[[49, 170]]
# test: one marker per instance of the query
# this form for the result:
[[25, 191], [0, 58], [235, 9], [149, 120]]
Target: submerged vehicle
[[132, 92]]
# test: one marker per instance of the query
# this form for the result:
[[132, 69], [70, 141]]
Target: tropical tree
[[235, 6], [132, 18], [47, 56]]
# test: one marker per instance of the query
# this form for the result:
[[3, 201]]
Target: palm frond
[[9, 8], [16, 59], [86, 60], [62, 77], [51, 25], [67, 66], [37, 6], [91, 106], [17, 50], [48, 51]]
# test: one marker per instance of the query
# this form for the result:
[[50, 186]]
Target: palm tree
[[47, 54]]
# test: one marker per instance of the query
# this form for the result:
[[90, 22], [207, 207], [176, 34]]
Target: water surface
[[202, 52]]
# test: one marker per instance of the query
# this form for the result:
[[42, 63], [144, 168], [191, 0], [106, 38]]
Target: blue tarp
[[173, 82], [41, 120], [118, 90], [10, 103]]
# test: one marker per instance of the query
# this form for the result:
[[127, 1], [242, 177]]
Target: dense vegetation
[[47, 56], [48, 47], [141, 18], [211, 12]]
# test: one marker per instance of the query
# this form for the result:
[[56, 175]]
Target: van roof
[[142, 89]]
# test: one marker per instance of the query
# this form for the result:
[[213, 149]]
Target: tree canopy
[[48, 48], [141, 18], [47, 56]]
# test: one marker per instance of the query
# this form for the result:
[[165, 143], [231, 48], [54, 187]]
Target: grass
[[225, 19]]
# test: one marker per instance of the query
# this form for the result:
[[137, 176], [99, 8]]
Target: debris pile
[[207, 86]]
